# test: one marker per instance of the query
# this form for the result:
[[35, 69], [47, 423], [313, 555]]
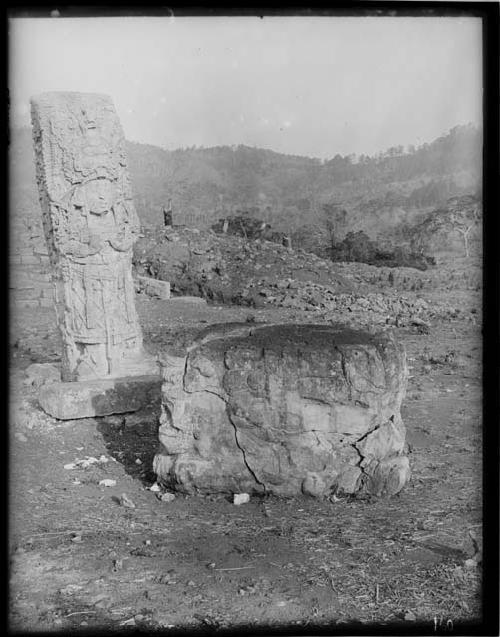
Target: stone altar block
[[283, 409], [90, 226]]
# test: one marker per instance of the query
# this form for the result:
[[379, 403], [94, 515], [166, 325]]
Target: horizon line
[[478, 127]]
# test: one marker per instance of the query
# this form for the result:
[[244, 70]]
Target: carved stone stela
[[90, 226]]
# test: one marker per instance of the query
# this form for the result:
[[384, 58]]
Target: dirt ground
[[80, 560]]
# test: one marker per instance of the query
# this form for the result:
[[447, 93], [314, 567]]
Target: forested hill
[[379, 193]]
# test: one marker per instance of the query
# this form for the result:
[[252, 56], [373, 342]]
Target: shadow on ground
[[132, 439]]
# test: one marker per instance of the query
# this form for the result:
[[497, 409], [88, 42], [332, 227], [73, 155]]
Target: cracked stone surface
[[283, 409]]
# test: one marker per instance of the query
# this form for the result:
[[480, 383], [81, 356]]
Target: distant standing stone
[[154, 287], [167, 218]]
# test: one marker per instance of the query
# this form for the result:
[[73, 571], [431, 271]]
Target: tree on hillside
[[356, 246], [311, 238], [464, 221], [433, 192], [461, 216]]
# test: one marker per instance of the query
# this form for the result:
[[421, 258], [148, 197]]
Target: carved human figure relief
[[90, 226]]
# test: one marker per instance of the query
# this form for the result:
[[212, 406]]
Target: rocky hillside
[[380, 195], [229, 269], [287, 191]]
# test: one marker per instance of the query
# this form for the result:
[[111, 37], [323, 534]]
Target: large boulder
[[283, 409]]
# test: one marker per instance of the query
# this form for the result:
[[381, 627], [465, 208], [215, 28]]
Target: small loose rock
[[107, 483], [126, 501], [241, 498], [167, 497]]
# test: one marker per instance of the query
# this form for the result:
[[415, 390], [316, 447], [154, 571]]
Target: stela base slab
[[86, 399]]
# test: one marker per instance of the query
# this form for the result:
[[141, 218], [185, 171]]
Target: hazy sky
[[307, 86]]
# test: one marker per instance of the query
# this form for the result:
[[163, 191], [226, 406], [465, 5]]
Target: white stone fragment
[[107, 483], [241, 498], [168, 497]]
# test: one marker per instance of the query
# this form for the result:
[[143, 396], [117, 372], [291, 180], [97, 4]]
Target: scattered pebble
[[155, 487], [138, 461], [70, 589], [85, 462], [126, 501], [241, 498], [76, 538], [128, 622], [409, 616], [167, 497], [117, 565], [107, 483]]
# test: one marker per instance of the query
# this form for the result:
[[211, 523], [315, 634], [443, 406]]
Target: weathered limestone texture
[[285, 409], [90, 226], [89, 398]]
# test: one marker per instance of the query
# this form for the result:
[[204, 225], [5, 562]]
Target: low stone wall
[[30, 283]]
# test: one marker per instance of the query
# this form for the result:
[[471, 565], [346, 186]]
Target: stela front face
[[90, 226]]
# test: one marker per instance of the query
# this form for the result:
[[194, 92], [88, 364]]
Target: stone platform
[[283, 409], [103, 397]]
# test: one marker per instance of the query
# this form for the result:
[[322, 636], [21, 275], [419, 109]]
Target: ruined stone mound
[[284, 409]]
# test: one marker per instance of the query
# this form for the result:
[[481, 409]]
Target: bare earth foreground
[[81, 559]]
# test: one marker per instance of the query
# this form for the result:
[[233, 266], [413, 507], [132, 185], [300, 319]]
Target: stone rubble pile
[[464, 276], [374, 307], [260, 273], [218, 267]]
